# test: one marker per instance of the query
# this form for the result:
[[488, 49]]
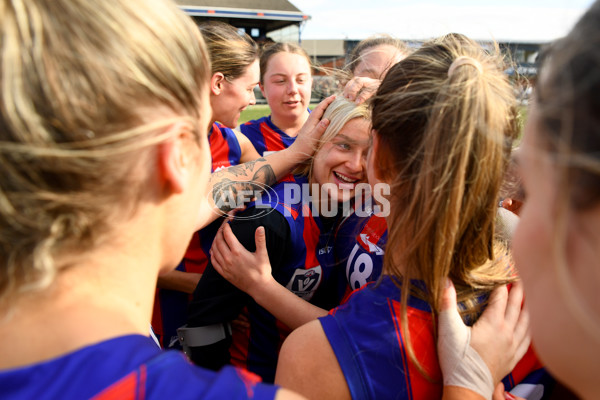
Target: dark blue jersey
[[366, 336], [265, 136], [359, 248], [128, 367], [301, 256], [309, 272]]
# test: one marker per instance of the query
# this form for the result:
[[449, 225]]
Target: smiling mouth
[[345, 179]]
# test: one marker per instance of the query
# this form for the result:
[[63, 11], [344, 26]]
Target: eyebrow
[[286, 75], [350, 140]]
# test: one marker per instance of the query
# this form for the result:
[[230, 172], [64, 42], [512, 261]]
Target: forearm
[[262, 171], [178, 280], [268, 170], [285, 305]]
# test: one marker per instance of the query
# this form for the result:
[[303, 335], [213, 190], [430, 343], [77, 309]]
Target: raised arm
[[253, 175]]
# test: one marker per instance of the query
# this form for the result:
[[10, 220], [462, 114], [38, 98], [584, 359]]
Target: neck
[[290, 125], [103, 294]]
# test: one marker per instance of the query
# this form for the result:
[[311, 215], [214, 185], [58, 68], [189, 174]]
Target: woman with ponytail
[[444, 120]]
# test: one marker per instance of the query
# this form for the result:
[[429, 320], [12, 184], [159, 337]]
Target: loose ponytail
[[447, 116]]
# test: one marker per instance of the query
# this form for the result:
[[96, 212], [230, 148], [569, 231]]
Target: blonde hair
[[78, 82], [270, 50], [339, 113], [568, 108], [231, 52], [445, 139]]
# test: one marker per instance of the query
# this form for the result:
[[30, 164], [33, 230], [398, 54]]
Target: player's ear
[[175, 157], [216, 83]]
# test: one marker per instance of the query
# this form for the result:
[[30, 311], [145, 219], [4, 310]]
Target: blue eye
[[344, 146]]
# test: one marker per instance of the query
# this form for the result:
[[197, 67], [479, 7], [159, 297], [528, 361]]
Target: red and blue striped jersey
[[265, 136], [370, 346], [310, 274], [128, 367], [359, 248], [170, 306], [225, 149]]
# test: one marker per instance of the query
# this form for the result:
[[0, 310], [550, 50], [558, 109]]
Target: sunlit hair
[[445, 136], [368, 44], [88, 89], [568, 105], [271, 49], [339, 113], [231, 52]]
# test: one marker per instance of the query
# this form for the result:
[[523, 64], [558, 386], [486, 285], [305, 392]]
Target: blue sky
[[524, 20]]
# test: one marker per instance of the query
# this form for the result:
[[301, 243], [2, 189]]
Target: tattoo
[[236, 170], [228, 194]]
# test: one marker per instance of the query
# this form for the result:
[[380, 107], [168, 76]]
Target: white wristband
[[461, 365]]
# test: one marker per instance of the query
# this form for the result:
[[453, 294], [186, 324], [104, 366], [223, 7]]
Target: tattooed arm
[[229, 185], [252, 176]]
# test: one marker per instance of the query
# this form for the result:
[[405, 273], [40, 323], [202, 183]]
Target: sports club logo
[[304, 282], [373, 248]]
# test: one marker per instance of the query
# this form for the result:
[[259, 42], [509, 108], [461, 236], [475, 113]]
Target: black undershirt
[[215, 300]]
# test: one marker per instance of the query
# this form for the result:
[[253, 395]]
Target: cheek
[[273, 91], [305, 90], [322, 164]]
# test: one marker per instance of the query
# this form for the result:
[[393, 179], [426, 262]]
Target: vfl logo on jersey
[[373, 248], [304, 282], [325, 250]]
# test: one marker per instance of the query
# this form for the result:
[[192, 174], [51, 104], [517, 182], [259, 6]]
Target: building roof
[[274, 14], [273, 5]]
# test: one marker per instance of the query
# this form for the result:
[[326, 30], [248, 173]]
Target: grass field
[[254, 112], [260, 110]]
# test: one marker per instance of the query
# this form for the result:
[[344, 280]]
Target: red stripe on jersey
[[293, 212], [141, 394], [528, 363], [272, 139], [311, 238], [374, 230], [195, 260], [288, 178], [422, 341], [125, 388], [219, 148], [240, 343], [250, 380], [400, 340]]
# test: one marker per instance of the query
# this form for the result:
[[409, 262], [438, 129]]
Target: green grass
[[258, 111], [254, 112]]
